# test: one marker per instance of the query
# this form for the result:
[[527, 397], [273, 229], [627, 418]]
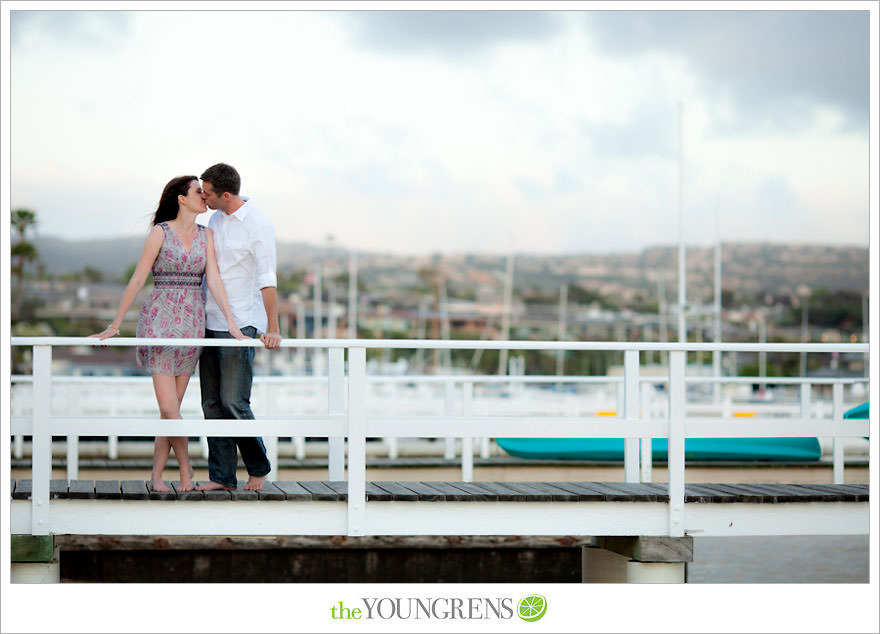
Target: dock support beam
[[34, 559], [637, 559]]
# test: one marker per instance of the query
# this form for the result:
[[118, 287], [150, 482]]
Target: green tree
[[126, 275], [90, 274], [290, 281], [23, 252], [577, 294]]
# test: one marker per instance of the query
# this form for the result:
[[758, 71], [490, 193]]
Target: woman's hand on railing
[[108, 332]]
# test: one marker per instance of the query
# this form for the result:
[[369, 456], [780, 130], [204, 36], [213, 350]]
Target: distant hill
[[110, 256], [749, 267], [115, 255]]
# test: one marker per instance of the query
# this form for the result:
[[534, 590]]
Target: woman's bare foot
[[185, 485], [254, 483], [158, 486], [212, 486]]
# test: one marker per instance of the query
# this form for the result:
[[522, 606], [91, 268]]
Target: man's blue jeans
[[226, 376]]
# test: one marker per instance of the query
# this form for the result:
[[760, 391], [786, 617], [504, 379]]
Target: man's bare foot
[[158, 486], [255, 483], [212, 486]]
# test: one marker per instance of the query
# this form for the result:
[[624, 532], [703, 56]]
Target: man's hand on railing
[[236, 333], [272, 340]]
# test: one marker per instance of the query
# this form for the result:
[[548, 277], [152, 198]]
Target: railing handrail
[[455, 344], [480, 378]]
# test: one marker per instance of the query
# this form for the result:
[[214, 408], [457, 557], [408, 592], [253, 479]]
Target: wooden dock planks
[[429, 491]]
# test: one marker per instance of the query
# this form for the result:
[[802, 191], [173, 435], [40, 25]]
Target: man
[[244, 242]]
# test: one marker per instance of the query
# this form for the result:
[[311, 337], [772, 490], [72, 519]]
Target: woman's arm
[[215, 285], [136, 283]]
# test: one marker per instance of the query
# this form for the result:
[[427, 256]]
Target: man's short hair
[[223, 178]]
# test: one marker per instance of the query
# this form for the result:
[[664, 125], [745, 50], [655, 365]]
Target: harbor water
[[788, 559]]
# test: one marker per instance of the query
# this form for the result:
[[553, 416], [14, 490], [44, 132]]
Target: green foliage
[[839, 309], [64, 327], [458, 292], [290, 281], [22, 221], [728, 298], [126, 276], [90, 274], [577, 294], [826, 309], [22, 252]]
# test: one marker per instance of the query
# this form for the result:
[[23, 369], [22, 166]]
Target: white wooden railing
[[346, 414], [421, 395], [408, 394]]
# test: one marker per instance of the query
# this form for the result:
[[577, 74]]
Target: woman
[[179, 252]]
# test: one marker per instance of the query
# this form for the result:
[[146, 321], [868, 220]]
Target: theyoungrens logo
[[532, 608], [529, 608]]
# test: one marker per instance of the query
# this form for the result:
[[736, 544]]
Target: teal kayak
[[718, 449], [857, 412]]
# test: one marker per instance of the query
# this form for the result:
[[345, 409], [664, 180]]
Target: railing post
[[647, 457], [394, 407], [271, 442], [299, 447], [203, 443], [806, 406], [335, 406], [727, 408], [631, 413], [73, 457], [41, 446], [112, 441], [448, 400], [357, 441], [467, 442], [620, 398], [72, 445], [837, 458], [675, 460]]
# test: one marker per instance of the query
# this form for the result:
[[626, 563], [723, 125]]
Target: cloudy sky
[[452, 131]]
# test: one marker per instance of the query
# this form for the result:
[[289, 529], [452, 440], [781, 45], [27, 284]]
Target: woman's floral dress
[[176, 307]]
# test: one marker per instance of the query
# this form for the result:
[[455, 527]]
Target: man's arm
[[263, 247], [272, 337]]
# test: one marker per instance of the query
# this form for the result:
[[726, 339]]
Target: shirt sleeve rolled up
[[264, 255]]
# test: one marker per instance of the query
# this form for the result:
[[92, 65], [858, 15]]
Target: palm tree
[[22, 252]]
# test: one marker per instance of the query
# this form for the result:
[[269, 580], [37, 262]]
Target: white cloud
[[539, 140]]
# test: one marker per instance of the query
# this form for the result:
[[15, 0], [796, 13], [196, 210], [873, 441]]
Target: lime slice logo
[[532, 608]]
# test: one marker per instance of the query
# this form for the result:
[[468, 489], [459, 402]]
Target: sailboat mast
[[716, 314], [682, 273]]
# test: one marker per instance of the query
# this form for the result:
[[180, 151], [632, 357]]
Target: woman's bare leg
[[161, 450], [181, 449], [169, 394]]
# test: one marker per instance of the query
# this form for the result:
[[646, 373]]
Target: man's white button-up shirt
[[244, 242]]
